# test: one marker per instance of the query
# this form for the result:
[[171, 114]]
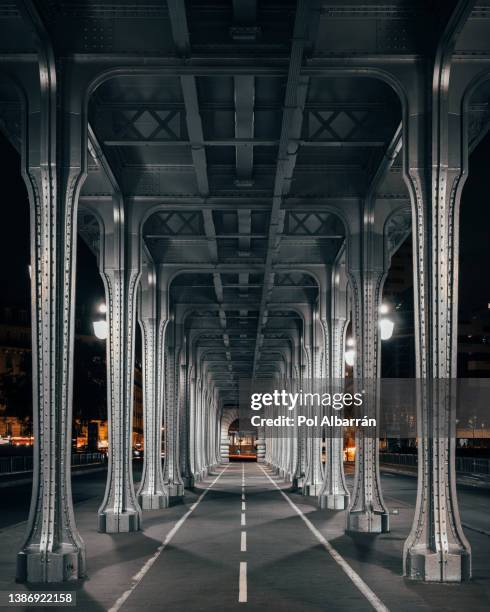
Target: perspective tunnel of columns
[[243, 214]]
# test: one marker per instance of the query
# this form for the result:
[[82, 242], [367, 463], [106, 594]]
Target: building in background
[[90, 429]]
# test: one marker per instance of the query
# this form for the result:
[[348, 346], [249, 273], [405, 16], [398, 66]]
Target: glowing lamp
[[386, 327], [100, 329]]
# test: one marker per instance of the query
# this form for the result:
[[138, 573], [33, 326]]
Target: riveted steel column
[[183, 404], [367, 511], [313, 480], [334, 493], [434, 165], [55, 153], [193, 408], [120, 511], [171, 473], [152, 493], [215, 423]]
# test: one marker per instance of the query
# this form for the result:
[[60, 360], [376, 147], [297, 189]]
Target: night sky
[[474, 257], [15, 248], [14, 240]]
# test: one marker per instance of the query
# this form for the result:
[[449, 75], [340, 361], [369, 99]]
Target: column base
[[333, 501], [297, 482], [189, 482], [122, 522], [311, 490], [368, 522], [153, 501], [429, 566], [175, 489], [65, 564]]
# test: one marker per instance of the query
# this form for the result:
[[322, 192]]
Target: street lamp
[[350, 353], [100, 326], [386, 325]]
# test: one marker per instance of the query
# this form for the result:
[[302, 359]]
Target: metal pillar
[[120, 511], [367, 511], [152, 493], [171, 474], [436, 549], [334, 493], [194, 426], [53, 550], [313, 479]]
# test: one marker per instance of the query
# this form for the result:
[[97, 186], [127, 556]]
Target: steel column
[[53, 550], [120, 511], [152, 492]]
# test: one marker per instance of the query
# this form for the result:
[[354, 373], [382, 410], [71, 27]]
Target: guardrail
[[23, 463], [470, 465]]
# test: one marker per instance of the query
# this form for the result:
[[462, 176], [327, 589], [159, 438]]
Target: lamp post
[[350, 353], [100, 325], [386, 325]]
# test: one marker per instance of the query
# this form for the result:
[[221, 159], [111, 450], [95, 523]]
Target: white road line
[[243, 506], [356, 579], [137, 578], [242, 591], [243, 542], [482, 531], [243, 496], [243, 523]]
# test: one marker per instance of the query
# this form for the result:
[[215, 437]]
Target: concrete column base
[[311, 490], [153, 501], [176, 489], [189, 482], [297, 482], [368, 522], [333, 501], [429, 566], [119, 522], [64, 564]]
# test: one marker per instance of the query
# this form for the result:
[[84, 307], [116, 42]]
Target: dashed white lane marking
[[243, 496], [243, 506], [137, 578], [243, 542], [243, 523], [242, 591], [356, 579]]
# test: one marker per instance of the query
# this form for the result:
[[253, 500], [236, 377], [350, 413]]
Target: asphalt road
[[242, 540]]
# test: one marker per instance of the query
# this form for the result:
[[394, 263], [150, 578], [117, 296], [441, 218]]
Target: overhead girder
[[124, 187]]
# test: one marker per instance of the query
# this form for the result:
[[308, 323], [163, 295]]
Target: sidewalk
[[480, 481]]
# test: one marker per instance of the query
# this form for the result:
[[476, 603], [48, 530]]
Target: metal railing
[[470, 465], [24, 463]]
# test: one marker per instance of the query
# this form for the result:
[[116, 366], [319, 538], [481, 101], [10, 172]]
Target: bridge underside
[[244, 172]]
